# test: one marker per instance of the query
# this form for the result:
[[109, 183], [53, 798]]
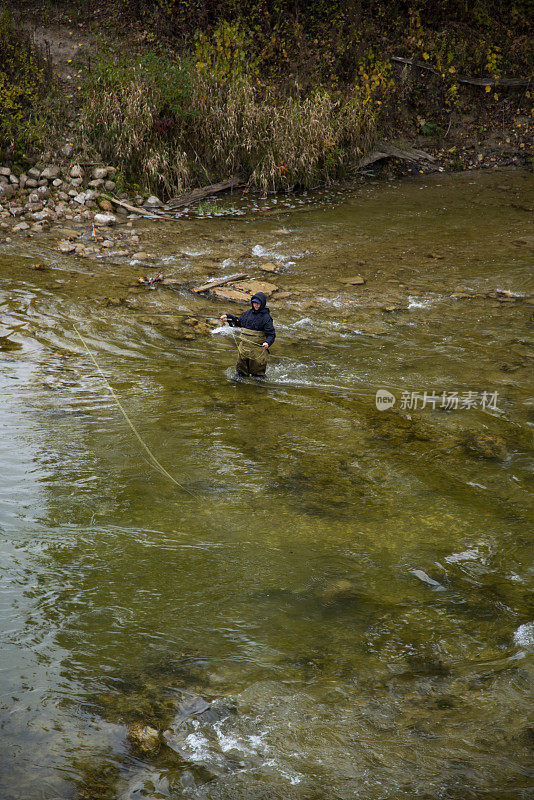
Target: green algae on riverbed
[[348, 587]]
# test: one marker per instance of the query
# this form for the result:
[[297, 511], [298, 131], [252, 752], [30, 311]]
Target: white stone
[[66, 247], [34, 173], [66, 150], [31, 183], [39, 216], [5, 171], [22, 226], [51, 172], [99, 173], [76, 181], [110, 186], [23, 178], [76, 171], [80, 198], [105, 219], [43, 191], [153, 202], [91, 194], [97, 183], [57, 183], [14, 180]]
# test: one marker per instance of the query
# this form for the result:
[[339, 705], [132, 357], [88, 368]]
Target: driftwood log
[[205, 191], [135, 210], [390, 151], [501, 82]]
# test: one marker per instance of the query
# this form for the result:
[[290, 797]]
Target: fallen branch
[[205, 191], [135, 210], [220, 282], [501, 82], [390, 151]]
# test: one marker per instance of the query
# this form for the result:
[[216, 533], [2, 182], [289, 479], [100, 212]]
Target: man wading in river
[[255, 337]]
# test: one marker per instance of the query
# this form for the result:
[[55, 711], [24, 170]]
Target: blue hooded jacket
[[259, 320]]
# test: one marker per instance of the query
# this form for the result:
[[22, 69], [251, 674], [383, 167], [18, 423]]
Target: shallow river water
[[347, 587]]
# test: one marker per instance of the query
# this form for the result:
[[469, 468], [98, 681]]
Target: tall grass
[[208, 128]]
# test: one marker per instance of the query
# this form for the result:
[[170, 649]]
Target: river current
[[336, 601]]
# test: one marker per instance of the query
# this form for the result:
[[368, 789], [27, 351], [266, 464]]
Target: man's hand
[[265, 344], [224, 318]]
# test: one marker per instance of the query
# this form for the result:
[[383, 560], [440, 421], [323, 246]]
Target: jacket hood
[[261, 299]]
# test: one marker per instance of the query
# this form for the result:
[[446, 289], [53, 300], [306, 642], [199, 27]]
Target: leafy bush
[[25, 79]]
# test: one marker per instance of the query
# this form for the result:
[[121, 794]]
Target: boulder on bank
[[6, 191], [76, 171], [153, 202], [105, 220], [51, 172], [99, 173]]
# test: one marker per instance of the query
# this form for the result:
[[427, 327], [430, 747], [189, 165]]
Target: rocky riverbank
[[57, 190]]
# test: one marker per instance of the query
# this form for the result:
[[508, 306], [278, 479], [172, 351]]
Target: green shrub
[[25, 80]]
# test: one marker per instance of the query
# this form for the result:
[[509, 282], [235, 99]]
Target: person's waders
[[252, 357]]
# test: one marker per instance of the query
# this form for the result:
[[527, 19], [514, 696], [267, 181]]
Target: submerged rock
[[484, 445], [338, 589], [144, 738], [357, 280], [270, 266], [253, 286], [230, 295]]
